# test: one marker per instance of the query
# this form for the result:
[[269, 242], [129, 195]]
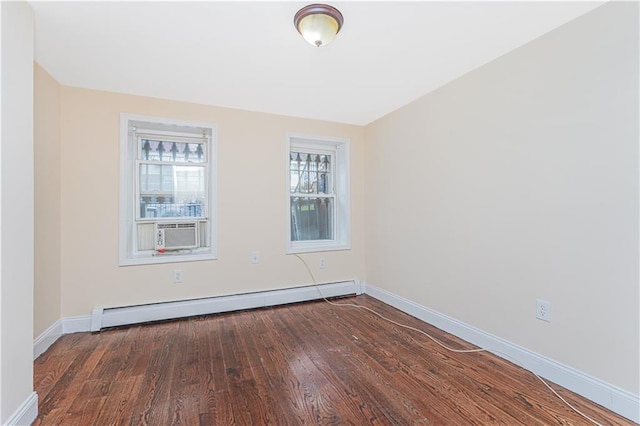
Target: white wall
[[16, 214], [520, 181], [252, 205]]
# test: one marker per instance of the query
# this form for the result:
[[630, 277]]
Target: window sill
[[151, 259], [316, 247]]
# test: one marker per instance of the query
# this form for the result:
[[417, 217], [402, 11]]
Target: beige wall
[[520, 181], [252, 209], [46, 289], [16, 213]]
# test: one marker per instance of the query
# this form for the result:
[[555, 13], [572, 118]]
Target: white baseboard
[[76, 324], [26, 413], [62, 326], [47, 338], [615, 399], [112, 317]]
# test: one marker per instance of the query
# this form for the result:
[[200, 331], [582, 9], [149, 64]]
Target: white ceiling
[[248, 55]]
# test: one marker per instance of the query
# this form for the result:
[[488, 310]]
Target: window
[[318, 194], [167, 183]]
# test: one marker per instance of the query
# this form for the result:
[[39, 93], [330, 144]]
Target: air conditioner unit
[[176, 236]]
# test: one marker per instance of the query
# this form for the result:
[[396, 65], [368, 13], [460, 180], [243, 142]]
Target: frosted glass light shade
[[318, 23]]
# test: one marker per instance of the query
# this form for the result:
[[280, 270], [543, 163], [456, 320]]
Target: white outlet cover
[[543, 310]]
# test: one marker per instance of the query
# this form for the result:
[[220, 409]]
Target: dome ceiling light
[[318, 23]]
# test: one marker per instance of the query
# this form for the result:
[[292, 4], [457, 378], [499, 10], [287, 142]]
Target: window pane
[[167, 150], [311, 218], [310, 173], [172, 191]]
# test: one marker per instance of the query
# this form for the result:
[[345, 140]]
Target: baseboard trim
[[615, 399], [76, 324], [47, 338], [26, 413], [62, 326], [111, 317]]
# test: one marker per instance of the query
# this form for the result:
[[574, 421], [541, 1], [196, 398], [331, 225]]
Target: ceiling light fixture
[[318, 23]]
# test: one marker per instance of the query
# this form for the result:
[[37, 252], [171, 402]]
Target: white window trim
[[342, 220], [127, 217]]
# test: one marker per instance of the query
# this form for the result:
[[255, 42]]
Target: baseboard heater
[[125, 315]]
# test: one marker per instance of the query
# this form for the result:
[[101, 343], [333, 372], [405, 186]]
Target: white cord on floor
[[408, 327]]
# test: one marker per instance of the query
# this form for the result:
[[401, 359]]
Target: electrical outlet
[[543, 310], [322, 264], [255, 257], [177, 276]]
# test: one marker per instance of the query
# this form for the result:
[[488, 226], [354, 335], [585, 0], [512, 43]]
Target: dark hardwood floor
[[308, 363]]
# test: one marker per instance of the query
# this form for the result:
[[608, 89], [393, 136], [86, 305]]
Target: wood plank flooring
[[308, 363]]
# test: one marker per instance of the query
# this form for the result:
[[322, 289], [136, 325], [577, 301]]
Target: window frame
[[341, 193], [129, 216]]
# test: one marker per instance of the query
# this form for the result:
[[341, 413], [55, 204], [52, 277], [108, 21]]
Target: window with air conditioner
[[167, 190], [317, 194]]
